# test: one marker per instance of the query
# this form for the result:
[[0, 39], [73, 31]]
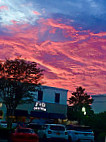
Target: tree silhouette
[[80, 97], [18, 78], [77, 101]]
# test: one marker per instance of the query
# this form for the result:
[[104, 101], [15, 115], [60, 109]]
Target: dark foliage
[[78, 100], [98, 124], [17, 79], [20, 70], [80, 97]]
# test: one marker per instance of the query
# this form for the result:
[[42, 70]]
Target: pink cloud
[[14, 22], [36, 13], [80, 61], [98, 34], [3, 7]]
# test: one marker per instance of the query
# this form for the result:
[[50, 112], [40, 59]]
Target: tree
[[77, 101], [18, 78], [98, 124], [80, 97]]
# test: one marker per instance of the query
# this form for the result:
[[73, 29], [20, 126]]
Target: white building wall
[[99, 104], [49, 99], [49, 94]]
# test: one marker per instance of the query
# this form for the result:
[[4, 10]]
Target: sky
[[67, 38]]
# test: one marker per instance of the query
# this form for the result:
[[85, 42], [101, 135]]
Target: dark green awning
[[19, 112]]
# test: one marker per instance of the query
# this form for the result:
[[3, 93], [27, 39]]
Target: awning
[[19, 112], [47, 115], [39, 114], [56, 116]]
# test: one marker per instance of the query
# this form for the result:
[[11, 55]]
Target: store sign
[[40, 106]]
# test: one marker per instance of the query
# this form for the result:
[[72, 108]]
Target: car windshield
[[25, 131], [34, 126], [60, 128], [3, 122], [78, 128]]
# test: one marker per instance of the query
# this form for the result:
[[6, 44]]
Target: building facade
[[49, 102], [99, 104]]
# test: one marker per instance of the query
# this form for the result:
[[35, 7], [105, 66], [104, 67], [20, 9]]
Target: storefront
[[50, 103]]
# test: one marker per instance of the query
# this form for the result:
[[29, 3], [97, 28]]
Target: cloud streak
[[66, 38], [78, 60]]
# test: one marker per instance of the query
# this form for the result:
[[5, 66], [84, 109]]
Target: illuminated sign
[[40, 106]]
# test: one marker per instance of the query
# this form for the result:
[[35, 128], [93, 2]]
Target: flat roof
[[54, 88], [99, 95]]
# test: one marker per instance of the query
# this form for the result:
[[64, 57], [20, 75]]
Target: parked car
[[80, 133], [34, 126], [14, 125], [53, 132], [24, 135], [3, 124]]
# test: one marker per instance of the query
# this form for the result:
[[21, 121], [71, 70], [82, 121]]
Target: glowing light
[[40, 106], [83, 109], [85, 113], [1, 104]]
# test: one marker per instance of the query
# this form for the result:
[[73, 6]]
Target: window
[[1, 114], [79, 128], [31, 131], [40, 95], [44, 127], [58, 128], [57, 98]]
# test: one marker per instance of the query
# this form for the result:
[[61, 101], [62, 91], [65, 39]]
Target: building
[[99, 104], [49, 102]]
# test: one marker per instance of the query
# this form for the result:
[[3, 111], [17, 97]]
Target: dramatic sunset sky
[[67, 38]]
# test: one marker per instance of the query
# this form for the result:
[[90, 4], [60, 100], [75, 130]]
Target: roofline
[[44, 86], [55, 124], [99, 95]]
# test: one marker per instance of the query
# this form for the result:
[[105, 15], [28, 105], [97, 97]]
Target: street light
[[84, 110], [85, 113]]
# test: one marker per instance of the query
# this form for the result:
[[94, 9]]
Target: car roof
[[55, 125], [23, 128], [83, 126]]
